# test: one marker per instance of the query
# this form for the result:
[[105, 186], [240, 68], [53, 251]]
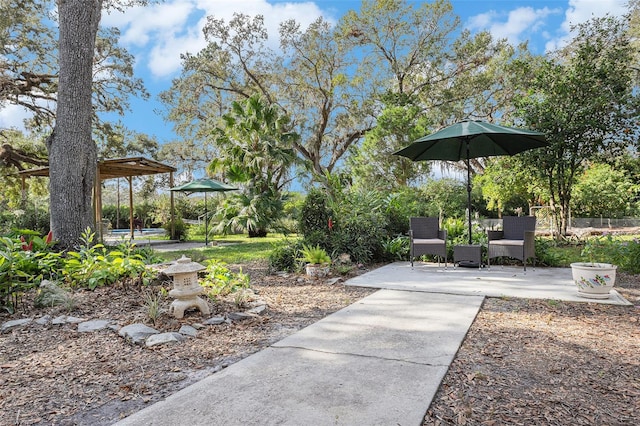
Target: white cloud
[[515, 25], [139, 24], [13, 116], [580, 11], [158, 34]]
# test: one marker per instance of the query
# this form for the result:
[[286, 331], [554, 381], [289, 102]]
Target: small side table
[[468, 252]]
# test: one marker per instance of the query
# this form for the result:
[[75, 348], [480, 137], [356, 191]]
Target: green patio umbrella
[[204, 185], [472, 139]]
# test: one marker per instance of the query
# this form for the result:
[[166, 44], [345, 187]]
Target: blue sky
[[157, 35]]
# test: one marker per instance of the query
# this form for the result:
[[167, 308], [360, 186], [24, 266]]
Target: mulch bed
[[523, 361], [534, 362], [55, 375]]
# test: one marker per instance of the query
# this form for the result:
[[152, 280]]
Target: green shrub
[[400, 206], [118, 221], [25, 260], [94, 266], [180, 229], [624, 254], [32, 217], [219, 280], [147, 255], [284, 256], [320, 238], [547, 253], [455, 228], [396, 248], [314, 214], [360, 235]]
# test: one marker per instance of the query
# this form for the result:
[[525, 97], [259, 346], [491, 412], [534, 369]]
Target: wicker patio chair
[[516, 240], [427, 238]]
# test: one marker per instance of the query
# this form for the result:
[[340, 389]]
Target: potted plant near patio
[[318, 261], [594, 279]]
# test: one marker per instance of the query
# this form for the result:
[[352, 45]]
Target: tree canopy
[[584, 101]]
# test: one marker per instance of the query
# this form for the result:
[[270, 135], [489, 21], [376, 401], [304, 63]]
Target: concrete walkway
[[378, 361]]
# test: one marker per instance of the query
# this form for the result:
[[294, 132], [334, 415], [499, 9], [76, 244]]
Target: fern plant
[[315, 255]]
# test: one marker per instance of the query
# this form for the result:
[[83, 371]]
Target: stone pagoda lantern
[[186, 288]]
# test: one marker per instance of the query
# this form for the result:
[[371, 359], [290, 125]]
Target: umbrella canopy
[[472, 139], [204, 185]]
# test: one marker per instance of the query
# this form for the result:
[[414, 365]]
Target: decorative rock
[[197, 326], [162, 338], [93, 325], [214, 321], [65, 319], [59, 320], [50, 294], [187, 330], [258, 310], [240, 316], [137, 333], [7, 326], [332, 281], [44, 320]]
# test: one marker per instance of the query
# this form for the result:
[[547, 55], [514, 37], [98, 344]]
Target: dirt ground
[[523, 361], [533, 362]]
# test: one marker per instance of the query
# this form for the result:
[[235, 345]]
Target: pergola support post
[[97, 205], [172, 230], [131, 228]]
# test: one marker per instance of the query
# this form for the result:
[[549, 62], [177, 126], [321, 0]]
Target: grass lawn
[[237, 249], [231, 249]]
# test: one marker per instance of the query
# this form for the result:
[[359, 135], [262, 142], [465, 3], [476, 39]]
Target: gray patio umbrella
[[204, 185], [472, 139]]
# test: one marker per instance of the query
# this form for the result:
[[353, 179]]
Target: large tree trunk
[[72, 151]]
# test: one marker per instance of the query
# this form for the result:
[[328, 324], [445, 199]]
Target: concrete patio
[[497, 281]]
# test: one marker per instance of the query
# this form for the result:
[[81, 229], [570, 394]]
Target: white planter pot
[[594, 280], [317, 270]]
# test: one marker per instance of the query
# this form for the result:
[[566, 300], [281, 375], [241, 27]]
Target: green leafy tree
[[447, 196], [29, 71], [584, 101], [189, 155], [433, 74], [372, 164], [19, 151], [314, 79], [79, 67], [634, 29], [505, 185], [255, 151], [603, 191]]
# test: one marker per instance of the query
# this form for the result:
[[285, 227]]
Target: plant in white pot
[[318, 261], [595, 279]]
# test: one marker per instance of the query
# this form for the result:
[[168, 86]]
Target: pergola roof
[[112, 169], [116, 168]]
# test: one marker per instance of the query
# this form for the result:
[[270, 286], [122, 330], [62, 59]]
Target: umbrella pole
[[206, 222], [469, 191]]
